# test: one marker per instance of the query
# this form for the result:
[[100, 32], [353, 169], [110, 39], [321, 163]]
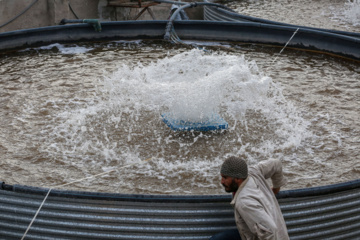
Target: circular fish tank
[[84, 110], [73, 110]]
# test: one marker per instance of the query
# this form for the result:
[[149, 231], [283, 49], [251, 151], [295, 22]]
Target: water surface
[[73, 111]]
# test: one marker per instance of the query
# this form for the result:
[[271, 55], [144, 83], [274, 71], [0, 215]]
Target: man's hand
[[276, 190]]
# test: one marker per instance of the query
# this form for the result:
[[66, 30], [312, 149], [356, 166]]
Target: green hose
[[95, 22]]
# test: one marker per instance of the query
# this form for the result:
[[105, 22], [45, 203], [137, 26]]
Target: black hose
[[72, 10], [240, 17], [94, 22], [296, 193], [317, 191], [27, 8], [170, 22], [197, 3], [185, 5]]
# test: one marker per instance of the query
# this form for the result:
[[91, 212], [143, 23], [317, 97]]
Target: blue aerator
[[214, 123]]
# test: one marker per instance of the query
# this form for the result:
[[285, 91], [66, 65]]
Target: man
[[257, 212]]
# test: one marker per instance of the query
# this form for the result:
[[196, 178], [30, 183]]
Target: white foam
[[352, 12], [65, 49], [349, 14], [122, 124]]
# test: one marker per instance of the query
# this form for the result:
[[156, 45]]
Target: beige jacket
[[257, 212]]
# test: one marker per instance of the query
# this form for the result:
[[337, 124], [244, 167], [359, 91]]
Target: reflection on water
[[69, 112]]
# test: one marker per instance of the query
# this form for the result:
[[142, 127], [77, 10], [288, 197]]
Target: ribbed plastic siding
[[71, 218], [330, 216]]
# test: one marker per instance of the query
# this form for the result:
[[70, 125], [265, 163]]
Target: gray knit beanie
[[234, 167]]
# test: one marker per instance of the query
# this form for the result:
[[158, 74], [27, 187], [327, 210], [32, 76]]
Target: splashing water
[[191, 85], [69, 116], [352, 12], [121, 122], [73, 111]]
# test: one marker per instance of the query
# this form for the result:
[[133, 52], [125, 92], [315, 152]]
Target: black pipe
[[241, 17], [245, 32], [188, 5], [6, 187], [21, 13], [94, 22], [317, 191], [120, 197], [297, 193], [197, 3]]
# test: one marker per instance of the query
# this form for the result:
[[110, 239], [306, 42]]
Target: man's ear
[[238, 181]]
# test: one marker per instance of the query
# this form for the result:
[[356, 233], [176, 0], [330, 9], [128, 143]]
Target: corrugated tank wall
[[332, 214]]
